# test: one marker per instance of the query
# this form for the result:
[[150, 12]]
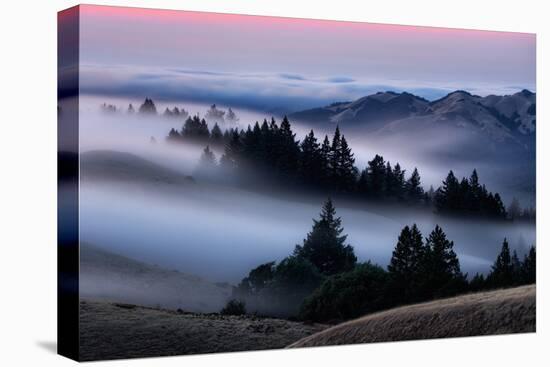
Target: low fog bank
[[107, 276], [432, 152], [221, 233]]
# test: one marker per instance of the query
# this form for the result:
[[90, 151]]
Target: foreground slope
[[110, 331], [488, 313]]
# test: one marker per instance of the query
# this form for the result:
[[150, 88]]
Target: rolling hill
[[503, 311]]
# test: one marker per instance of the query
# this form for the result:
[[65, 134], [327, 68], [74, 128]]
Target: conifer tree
[[347, 172], [502, 271], [208, 159], [376, 177], [148, 107], [447, 197], [231, 116], [362, 182], [325, 160], [216, 136], [288, 149], [413, 189], [311, 168], [174, 135], [528, 267], [325, 246], [335, 157], [441, 266], [406, 268], [231, 158]]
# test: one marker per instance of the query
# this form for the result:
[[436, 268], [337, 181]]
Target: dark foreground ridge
[[504, 311], [114, 331]]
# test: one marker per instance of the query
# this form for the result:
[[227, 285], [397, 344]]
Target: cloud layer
[[274, 92]]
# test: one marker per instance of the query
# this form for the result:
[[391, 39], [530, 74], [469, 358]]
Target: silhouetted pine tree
[[131, 109], [502, 271], [413, 189], [335, 157], [325, 246], [395, 182], [325, 161], [310, 163], [148, 107], [216, 136], [475, 193], [441, 266], [362, 182], [406, 268], [347, 172], [447, 197], [231, 116], [231, 159], [208, 159], [528, 267], [376, 177], [288, 149]]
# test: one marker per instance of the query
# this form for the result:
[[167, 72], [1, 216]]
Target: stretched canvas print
[[234, 183]]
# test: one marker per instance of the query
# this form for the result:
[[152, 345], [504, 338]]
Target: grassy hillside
[[110, 331], [488, 313]]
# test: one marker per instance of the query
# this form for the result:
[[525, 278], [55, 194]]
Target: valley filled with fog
[[138, 200]]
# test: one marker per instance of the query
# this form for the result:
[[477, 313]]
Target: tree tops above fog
[[328, 166], [149, 108]]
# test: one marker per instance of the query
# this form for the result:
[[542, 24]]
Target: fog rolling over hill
[[219, 232], [495, 134]]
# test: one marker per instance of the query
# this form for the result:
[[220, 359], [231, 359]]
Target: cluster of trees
[[329, 166], [215, 115], [322, 281], [108, 108], [508, 270], [196, 130], [468, 196], [515, 212], [148, 107], [176, 113]]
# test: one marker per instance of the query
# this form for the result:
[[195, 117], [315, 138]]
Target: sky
[[273, 63]]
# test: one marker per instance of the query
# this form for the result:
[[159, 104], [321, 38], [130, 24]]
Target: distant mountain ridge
[[501, 116]]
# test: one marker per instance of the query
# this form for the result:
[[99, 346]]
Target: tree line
[[148, 107], [322, 280], [329, 167]]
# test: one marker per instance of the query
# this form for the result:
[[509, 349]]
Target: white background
[[28, 182]]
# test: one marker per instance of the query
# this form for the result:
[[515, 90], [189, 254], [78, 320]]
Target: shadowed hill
[[488, 313], [111, 277], [120, 166]]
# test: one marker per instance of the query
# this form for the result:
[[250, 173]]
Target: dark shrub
[[347, 295], [234, 307]]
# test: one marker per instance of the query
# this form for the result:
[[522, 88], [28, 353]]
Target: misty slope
[[488, 313], [111, 277], [121, 166]]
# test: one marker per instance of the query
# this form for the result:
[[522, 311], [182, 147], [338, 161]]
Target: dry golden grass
[[488, 313]]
